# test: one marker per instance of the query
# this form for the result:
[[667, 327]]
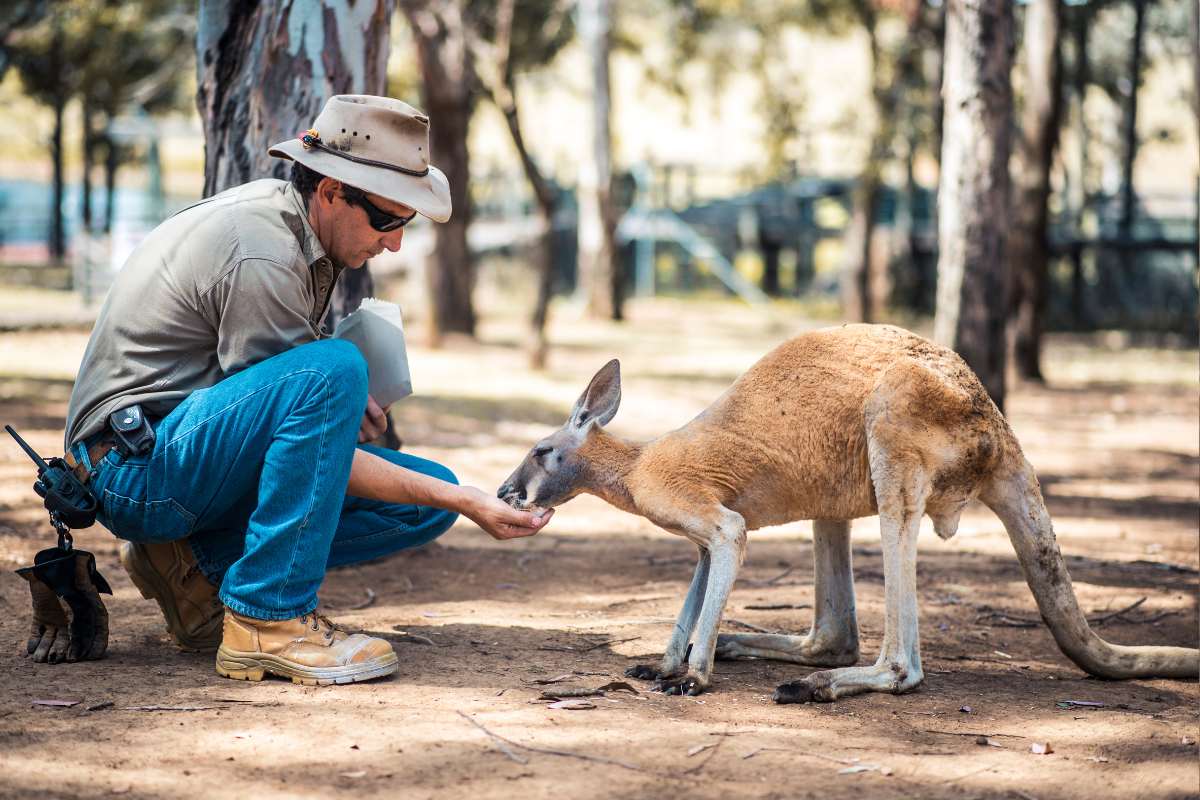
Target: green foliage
[[108, 53]]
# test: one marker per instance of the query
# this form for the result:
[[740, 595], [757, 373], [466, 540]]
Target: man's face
[[344, 226]]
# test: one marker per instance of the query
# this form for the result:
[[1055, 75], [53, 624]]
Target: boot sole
[[241, 666], [152, 587]]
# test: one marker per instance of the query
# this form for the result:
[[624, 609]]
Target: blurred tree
[[137, 51], [40, 48], [265, 70], [1037, 136], [448, 90], [973, 196], [601, 279], [520, 36]]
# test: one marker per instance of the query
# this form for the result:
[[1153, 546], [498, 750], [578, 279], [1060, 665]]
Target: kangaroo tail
[[1016, 497]]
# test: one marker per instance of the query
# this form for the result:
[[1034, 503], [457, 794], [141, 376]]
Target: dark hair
[[305, 180]]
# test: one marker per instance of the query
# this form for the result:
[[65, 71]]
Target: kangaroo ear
[[600, 399]]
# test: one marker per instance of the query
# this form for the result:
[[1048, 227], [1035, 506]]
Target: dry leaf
[[1041, 748], [857, 768], [359, 774], [1098, 759], [700, 748], [572, 705], [57, 703], [966, 709]]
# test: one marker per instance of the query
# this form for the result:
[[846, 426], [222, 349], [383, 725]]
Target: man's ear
[[600, 400], [327, 189]]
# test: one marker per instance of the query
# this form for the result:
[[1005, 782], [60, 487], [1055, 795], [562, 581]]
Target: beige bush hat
[[376, 144]]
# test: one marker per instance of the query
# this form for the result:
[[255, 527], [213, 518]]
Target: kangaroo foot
[[831, 684], [689, 684], [838, 651]]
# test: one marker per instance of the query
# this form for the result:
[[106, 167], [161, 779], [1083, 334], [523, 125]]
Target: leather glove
[[70, 622]]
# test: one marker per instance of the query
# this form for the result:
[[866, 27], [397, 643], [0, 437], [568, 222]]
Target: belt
[[96, 451]]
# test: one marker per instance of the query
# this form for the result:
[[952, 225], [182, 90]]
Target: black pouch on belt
[[132, 430]]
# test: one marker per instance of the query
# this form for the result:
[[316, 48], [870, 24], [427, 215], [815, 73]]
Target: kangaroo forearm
[[375, 478]]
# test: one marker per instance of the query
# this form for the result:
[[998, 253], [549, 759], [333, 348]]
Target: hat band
[[311, 139]]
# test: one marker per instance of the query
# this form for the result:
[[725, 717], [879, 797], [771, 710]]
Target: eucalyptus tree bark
[[601, 279], [265, 70], [973, 195], [448, 85], [1028, 248]]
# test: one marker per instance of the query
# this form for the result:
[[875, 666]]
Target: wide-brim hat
[[376, 144]]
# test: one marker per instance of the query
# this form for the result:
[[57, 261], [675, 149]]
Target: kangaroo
[[831, 425]]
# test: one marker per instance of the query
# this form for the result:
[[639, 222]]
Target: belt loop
[[81, 455]]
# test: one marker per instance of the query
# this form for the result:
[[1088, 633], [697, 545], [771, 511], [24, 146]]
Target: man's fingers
[[376, 413]]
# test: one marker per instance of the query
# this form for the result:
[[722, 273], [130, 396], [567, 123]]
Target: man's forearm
[[375, 478]]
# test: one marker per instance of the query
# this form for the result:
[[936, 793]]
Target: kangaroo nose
[[509, 492]]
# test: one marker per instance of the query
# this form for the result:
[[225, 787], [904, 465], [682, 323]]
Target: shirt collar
[[310, 245]]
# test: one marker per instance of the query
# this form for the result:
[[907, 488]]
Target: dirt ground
[[484, 629]]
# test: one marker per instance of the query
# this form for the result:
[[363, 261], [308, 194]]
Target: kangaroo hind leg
[[833, 639], [901, 489]]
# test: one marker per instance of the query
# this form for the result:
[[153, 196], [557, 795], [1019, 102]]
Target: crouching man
[[256, 481]]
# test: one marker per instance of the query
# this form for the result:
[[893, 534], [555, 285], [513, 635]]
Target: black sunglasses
[[380, 220]]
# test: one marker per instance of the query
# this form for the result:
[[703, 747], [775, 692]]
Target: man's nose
[[393, 240]]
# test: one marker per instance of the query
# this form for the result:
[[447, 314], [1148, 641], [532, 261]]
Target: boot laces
[[319, 621]]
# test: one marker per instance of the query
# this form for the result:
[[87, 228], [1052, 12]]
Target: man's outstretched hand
[[498, 518]]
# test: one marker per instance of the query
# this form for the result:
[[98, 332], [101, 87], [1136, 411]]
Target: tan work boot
[[309, 649], [166, 572]]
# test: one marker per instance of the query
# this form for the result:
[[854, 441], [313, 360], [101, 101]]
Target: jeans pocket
[[145, 520]]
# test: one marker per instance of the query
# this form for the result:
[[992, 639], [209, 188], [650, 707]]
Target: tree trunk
[[111, 162], [57, 242], [447, 91], [1028, 249], [973, 193], [265, 70], [1129, 126], [601, 277], [89, 142]]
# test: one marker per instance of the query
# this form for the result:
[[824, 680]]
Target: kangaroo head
[[553, 471]]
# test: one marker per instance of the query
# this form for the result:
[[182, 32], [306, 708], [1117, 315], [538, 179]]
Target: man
[[254, 483]]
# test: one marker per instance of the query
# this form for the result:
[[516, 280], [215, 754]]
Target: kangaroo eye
[[542, 452]]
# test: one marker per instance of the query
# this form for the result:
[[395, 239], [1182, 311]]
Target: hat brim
[[428, 195]]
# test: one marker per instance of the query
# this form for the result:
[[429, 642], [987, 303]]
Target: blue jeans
[[254, 471]]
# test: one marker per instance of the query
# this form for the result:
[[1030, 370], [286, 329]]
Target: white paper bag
[[377, 329]]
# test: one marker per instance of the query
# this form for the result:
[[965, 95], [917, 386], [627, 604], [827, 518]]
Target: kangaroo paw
[[799, 692]]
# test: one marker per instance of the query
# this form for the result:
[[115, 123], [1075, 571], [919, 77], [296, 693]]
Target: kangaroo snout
[[510, 494]]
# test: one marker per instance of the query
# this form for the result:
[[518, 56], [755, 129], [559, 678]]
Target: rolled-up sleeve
[[261, 309]]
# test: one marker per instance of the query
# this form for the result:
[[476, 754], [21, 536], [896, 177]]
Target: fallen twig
[[770, 581], [712, 752], [589, 648], [501, 742], [985, 735], [777, 606], [170, 708], [1101, 620], [748, 625], [369, 600]]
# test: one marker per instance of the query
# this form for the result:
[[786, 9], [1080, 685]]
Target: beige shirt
[[221, 285]]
